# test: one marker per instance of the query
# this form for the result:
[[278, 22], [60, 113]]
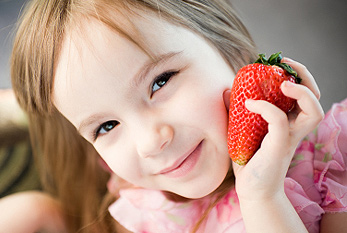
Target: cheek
[[204, 105], [206, 90], [214, 116], [120, 161]]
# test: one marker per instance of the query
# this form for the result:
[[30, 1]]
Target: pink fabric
[[316, 183], [148, 211]]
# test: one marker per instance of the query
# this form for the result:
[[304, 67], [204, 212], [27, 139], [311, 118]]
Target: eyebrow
[[144, 70], [137, 80]]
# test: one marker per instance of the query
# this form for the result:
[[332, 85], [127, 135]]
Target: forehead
[[146, 32], [94, 51]]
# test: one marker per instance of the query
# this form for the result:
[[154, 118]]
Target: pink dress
[[316, 183]]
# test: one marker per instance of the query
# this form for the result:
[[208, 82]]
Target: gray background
[[313, 32]]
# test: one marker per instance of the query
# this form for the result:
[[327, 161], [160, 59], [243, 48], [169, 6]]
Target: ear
[[226, 98]]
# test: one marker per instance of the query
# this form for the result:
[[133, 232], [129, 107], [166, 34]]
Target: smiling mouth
[[183, 165]]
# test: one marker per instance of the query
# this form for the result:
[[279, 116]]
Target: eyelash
[[113, 124], [164, 77]]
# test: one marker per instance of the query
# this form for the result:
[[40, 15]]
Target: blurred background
[[313, 32]]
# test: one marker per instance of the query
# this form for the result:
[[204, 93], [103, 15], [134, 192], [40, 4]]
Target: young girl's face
[[159, 124]]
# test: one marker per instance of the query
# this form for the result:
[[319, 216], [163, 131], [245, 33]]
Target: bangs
[[36, 52]]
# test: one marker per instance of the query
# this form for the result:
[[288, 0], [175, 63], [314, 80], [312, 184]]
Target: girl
[[146, 83]]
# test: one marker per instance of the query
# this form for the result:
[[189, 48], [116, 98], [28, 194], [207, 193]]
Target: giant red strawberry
[[259, 81]]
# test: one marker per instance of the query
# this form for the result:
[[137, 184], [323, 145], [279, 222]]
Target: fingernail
[[249, 101], [288, 84], [286, 59]]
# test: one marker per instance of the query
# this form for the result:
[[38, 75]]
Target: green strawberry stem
[[275, 60]]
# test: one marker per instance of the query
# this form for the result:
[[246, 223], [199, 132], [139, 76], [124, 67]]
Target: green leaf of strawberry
[[259, 81]]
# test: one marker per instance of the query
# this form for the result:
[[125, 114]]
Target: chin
[[199, 191], [197, 195]]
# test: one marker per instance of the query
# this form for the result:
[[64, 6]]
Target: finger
[[305, 98], [307, 78], [310, 112], [277, 137], [277, 120], [236, 167]]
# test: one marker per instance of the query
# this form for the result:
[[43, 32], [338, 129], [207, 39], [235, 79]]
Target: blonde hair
[[69, 166]]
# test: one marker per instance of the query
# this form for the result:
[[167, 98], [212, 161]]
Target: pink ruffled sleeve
[[317, 179]]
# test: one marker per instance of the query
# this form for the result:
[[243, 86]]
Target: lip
[[184, 164]]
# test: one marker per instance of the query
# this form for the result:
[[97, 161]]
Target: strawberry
[[259, 81]]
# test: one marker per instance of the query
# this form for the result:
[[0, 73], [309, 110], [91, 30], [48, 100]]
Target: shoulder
[[33, 210]]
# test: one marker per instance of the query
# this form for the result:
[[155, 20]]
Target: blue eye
[[162, 80], [105, 128]]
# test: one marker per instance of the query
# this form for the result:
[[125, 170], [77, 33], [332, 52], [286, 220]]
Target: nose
[[152, 138]]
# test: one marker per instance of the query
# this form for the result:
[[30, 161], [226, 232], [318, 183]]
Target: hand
[[263, 176]]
